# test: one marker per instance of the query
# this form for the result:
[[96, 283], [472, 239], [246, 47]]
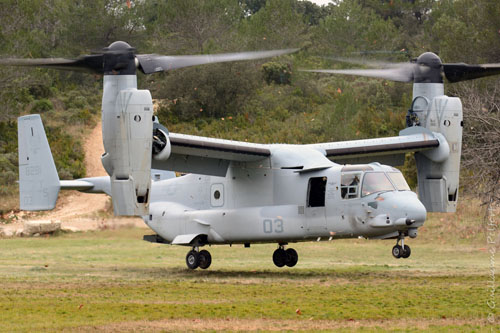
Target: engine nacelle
[[438, 179], [128, 144]]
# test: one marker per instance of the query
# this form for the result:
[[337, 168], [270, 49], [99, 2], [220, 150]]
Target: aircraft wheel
[[205, 259], [291, 257], [279, 257], [193, 259], [397, 251], [406, 252]]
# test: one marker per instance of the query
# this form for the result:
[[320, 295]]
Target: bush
[[8, 137], [41, 106], [67, 151], [40, 91], [83, 116], [8, 169], [275, 72], [73, 100]]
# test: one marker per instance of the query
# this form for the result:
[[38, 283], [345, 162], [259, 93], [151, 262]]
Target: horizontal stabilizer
[[88, 185], [79, 185]]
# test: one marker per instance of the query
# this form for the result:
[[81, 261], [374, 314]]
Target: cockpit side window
[[375, 182], [349, 185], [399, 181]]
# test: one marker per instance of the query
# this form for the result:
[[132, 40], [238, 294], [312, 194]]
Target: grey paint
[[438, 170], [264, 205], [38, 180], [266, 200], [127, 124]]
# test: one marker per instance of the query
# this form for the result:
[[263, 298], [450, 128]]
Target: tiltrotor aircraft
[[243, 193]]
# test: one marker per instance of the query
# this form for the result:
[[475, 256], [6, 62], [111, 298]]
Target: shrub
[[40, 91], [275, 72], [83, 116], [41, 106]]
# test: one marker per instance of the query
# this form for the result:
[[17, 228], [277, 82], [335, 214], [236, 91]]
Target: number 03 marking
[[273, 225]]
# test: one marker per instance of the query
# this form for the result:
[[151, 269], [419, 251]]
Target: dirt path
[[77, 205], [93, 150]]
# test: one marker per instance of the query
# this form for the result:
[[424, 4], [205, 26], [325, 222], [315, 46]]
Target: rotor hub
[[429, 59], [429, 69], [119, 59], [119, 46]]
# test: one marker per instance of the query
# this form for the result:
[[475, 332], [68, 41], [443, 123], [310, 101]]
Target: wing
[[390, 150], [207, 156]]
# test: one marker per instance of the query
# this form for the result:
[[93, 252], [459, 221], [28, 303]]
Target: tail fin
[[38, 180]]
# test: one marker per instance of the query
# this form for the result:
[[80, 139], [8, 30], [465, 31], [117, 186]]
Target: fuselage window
[[316, 192], [349, 185]]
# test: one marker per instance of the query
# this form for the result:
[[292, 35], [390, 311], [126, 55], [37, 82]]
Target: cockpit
[[363, 180]]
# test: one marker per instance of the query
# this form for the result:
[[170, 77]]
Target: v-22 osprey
[[243, 193]]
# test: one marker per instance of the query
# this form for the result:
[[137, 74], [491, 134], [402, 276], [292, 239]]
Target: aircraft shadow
[[285, 274]]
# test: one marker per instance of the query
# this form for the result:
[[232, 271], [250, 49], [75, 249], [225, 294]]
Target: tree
[[277, 25], [466, 31], [28, 29], [481, 133], [350, 27], [311, 13], [191, 26], [252, 6], [92, 25]]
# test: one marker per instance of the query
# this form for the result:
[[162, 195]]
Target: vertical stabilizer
[[38, 179]]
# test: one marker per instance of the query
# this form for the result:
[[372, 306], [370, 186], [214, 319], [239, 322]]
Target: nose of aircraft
[[405, 205]]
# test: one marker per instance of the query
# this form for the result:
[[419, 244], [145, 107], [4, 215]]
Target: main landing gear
[[282, 257], [401, 251], [196, 258]]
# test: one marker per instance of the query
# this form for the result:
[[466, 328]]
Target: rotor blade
[[89, 63], [366, 62], [36, 62], [402, 73], [461, 72], [153, 63], [403, 51]]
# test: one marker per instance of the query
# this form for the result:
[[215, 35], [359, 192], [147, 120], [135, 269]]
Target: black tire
[[279, 257], [291, 257], [397, 251], [406, 252], [192, 259], [205, 259]]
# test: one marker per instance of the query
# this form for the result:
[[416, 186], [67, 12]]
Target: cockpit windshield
[[376, 182], [399, 181]]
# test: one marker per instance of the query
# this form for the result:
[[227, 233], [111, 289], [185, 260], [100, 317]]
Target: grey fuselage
[[255, 202]]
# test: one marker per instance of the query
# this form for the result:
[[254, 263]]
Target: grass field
[[113, 281]]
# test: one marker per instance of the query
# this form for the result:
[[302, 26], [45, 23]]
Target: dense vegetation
[[269, 101]]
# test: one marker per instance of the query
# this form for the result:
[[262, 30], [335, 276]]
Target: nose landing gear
[[282, 257], [196, 258], [401, 251]]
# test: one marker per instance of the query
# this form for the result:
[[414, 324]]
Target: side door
[[334, 203], [315, 210]]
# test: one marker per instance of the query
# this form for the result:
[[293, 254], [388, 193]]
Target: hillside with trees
[[267, 101]]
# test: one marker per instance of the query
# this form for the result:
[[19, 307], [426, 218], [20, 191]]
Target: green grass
[[114, 281]]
